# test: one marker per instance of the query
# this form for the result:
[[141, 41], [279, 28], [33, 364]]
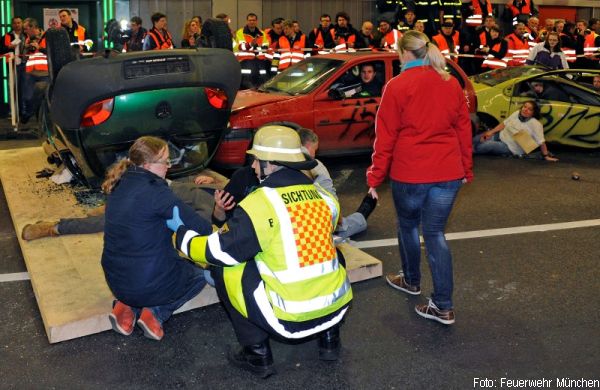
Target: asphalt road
[[526, 303]]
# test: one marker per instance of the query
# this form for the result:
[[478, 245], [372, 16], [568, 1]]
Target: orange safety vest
[[161, 43], [390, 40], [351, 39], [37, 61], [483, 38], [525, 10], [477, 10], [589, 45], [290, 55], [245, 51], [492, 62], [518, 50], [441, 43]]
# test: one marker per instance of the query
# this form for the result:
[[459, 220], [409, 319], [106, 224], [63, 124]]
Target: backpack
[[215, 34]]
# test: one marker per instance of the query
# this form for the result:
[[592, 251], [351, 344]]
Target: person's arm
[[533, 54], [164, 200], [546, 154], [563, 60], [386, 132], [488, 134], [323, 178], [463, 130]]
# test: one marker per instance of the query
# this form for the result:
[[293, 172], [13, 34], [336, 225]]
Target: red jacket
[[421, 137]]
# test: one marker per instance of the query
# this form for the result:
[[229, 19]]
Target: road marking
[[489, 232], [14, 277], [449, 236]]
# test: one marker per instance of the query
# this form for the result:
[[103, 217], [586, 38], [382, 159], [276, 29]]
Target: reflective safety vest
[[342, 40], [442, 44], [243, 49], [302, 278], [589, 45], [491, 62], [36, 62], [161, 43], [290, 54], [524, 10], [518, 50], [390, 40]]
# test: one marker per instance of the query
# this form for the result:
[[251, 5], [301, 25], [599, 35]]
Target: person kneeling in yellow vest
[[277, 269]]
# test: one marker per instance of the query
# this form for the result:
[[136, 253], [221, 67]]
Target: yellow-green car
[[569, 105]]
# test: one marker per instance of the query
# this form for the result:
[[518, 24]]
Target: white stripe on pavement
[[489, 232], [449, 236], [14, 277]]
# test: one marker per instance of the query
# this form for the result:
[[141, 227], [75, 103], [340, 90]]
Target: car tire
[[486, 122], [59, 51]]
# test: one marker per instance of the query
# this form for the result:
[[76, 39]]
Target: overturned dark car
[[96, 108]]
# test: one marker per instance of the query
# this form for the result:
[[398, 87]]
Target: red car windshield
[[303, 77]]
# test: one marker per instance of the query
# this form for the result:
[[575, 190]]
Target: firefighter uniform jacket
[[518, 50], [322, 39], [291, 50], [448, 45], [243, 43], [37, 62], [282, 231]]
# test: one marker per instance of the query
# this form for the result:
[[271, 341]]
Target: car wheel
[[59, 51]]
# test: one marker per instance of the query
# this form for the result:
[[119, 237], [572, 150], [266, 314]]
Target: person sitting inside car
[[541, 91], [596, 83], [369, 83]]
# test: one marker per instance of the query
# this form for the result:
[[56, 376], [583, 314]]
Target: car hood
[[249, 98]]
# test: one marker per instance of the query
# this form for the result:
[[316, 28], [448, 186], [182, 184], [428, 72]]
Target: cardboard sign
[[525, 141]]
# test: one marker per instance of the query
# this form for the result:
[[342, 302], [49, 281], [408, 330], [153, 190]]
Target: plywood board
[[65, 271]]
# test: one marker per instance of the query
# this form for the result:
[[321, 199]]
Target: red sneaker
[[150, 325], [122, 318]]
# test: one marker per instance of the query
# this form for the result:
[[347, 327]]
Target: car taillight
[[216, 97], [97, 113]]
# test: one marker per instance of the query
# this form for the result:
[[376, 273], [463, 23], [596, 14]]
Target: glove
[[175, 222]]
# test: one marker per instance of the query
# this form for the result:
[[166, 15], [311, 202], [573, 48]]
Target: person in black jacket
[[143, 270]]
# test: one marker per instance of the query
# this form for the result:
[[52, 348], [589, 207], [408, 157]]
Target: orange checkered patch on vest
[[311, 223]]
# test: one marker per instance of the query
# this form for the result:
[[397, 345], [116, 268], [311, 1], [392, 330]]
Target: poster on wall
[[51, 19]]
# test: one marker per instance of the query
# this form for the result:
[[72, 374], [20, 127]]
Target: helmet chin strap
[[262, 167]]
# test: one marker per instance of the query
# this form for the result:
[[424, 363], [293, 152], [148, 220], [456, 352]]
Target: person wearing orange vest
[[273, 34], [250, 42], [521, 10], [76, 31], [518, 47], [320, 37], [158, 38], [36, 69], [290, 46], [387, 37], [495, 50], [14, 42], [344, 35], [476, 11], [448, 40]]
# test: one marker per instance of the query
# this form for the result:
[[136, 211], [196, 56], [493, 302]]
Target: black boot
[[256, 358], [329, 344], [367, 206]]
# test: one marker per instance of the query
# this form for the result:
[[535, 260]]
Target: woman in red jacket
[[423, 143]]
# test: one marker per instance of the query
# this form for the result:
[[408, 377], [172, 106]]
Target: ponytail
[[114, 175], [144, 150], [420, 46]]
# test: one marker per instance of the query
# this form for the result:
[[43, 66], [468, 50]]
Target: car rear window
[[303, 77]]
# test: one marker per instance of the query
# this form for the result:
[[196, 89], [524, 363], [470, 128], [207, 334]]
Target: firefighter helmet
[[277, 143]]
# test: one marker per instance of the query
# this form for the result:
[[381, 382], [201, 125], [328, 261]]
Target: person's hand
[[224, 200], [550, 158], [175, 222], [201, 179], [373, 192], [485, 136]]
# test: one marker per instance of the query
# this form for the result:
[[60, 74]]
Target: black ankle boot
[[367, 206], [256, 358], [329, 344]]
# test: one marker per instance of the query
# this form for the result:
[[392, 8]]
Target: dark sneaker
[[150, 325], [257, 358], [399, 283], [367, 206], [329, 344], [122, 318], [431, 311]]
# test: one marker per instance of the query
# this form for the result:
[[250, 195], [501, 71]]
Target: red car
[[322, 93]]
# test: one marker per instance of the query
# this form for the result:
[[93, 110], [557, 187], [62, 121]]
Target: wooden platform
[[65, 271]]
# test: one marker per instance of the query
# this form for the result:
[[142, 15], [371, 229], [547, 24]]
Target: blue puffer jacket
[[140, 264]]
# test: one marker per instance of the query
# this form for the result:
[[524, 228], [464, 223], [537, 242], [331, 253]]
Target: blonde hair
[[144, 150], [419, 45], [186, 33]]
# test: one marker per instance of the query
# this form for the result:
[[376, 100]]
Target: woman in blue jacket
[[146, 275]]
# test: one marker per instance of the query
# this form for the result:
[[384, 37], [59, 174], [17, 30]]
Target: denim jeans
[[428, 205], [491, 146]]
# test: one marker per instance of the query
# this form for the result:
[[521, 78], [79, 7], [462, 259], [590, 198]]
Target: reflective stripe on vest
[[570, 54], [37, 62], [474, 20]]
